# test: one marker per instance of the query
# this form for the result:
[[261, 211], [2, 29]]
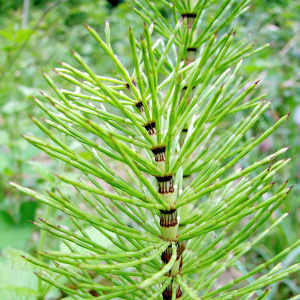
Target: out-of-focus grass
[[278, 23], [23, 53]]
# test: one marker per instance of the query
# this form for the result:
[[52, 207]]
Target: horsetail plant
[[178, 210]]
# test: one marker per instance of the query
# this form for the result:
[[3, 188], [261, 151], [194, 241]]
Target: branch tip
[[256, 83], [291, 188]]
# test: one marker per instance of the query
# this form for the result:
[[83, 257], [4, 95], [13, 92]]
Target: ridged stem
[[189, 58], [169, 220]]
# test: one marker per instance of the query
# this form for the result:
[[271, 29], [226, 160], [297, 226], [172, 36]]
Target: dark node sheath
[[128, 86], [178, 293], [185, 88], [140, 106], [168, 219], [165, 184], [150, 127], [159, 153], [167, 293], [167, 254], [191, 15]]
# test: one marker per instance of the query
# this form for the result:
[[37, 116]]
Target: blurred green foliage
[[277, 22], [23, 53], [53, 26]]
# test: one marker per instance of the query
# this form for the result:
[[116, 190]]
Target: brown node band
[[169, 219], [165, 184], [165, 178], [191, 49], [150, 127], [167, 293], [159, 150], [178, 293], [185, 88], [167, 212], [159, 153], [140, 106], [167, 254], [189, 15], [128, 86]]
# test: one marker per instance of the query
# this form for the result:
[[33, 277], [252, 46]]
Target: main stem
[[190, 57], [169, 221], [168, 218]]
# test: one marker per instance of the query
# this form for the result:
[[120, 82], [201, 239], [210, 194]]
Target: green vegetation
[[51, 30]]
